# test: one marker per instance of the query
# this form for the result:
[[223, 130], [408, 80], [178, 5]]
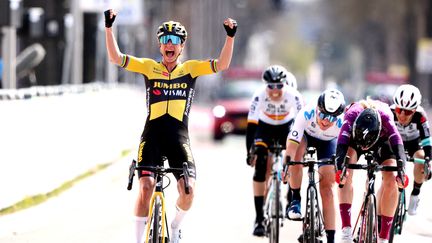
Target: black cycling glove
[[108, 20], [231, 32]]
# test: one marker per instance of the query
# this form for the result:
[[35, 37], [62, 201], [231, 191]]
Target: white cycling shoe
[[346, 235], [413, 204]]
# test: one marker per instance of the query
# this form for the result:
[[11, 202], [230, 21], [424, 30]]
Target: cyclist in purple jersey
[[369, 127]]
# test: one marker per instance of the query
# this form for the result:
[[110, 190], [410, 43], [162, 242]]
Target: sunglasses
[[275, 86], [175, 40], [323, 116], [406, 112]]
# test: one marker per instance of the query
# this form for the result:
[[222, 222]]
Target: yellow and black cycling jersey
[[169, 93]]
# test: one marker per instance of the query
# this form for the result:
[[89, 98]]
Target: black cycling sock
[[379, 223], [289, 195], [296, 194], [416, 188], [330, 236], [259, 204]]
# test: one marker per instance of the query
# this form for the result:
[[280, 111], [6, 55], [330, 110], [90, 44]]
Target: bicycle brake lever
[[131, 174]]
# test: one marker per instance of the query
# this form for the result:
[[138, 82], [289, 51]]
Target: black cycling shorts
[[165, 138], [381, 151], [412, 146]]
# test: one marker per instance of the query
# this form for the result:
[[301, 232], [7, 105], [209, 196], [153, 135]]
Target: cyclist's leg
[[262, 140], [295, 180], [346, 197], [325, 149], [149, 155], [179, 151], [419, 177], [389, 192]]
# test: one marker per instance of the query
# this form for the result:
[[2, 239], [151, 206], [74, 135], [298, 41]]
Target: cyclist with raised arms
[[412, 123], [270, 116], [170, 88], [369, 126], [316, 125]]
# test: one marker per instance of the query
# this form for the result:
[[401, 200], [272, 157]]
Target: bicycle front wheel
[[370, 217], [309, 221], [399, 217], [275, 214], [156, 222]]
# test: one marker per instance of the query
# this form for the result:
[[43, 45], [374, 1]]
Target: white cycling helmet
[[331, 102], [407, 97], [291, 80]]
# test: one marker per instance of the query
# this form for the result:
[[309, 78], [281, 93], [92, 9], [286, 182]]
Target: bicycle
[[401, 210], [157, 227], [273, 203], [367, 231], [313, 221]]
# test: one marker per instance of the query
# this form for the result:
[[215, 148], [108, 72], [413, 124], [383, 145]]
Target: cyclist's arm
[[114, 54], [296, 134], [225, 55], [425, 133], [394, 137], [252, 121]]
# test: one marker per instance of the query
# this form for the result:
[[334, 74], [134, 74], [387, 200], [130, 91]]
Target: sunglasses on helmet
[[175, 40], [275, 86], [406, 112], [323, 116]]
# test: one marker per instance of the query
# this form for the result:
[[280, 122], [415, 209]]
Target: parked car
[[232, 102]]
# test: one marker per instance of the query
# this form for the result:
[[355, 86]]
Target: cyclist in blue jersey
[[316, 125]]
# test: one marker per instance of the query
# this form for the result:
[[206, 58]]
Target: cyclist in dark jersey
[[412, 123], [170, 89]]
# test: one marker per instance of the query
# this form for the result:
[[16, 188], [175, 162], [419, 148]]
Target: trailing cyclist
[[170, 88], [369, 126], [316, 125], [271, 113], [412, 123]]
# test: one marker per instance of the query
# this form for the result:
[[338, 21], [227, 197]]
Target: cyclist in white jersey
[[271, 113], [316, 125], [412, 123]]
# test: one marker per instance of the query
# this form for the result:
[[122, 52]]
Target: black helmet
[[367, 128], [275, 74], [172, 28], [331, 102]]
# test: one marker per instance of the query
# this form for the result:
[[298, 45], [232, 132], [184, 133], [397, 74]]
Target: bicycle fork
[[157, 199]]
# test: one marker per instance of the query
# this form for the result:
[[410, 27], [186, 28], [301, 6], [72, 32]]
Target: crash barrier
[[50, 135], [53, 90]]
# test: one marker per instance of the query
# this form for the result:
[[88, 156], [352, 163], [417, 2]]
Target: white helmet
[[407, 97], [331, 102], [291, 80]]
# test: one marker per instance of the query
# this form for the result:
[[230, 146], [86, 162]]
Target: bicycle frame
[[313, 222], [158, 199], [369, 200], [272, 205], [158, 193]]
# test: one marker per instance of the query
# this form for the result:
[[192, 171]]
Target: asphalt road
[[100, 209]]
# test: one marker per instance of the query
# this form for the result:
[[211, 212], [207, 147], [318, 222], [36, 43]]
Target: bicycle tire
[[370, 221], [274, 221], [399, 217], [309, 219], [156, 234]]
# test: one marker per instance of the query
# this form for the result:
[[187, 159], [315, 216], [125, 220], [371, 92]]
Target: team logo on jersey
[[309, 115], [166, 74], [156, 92]]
